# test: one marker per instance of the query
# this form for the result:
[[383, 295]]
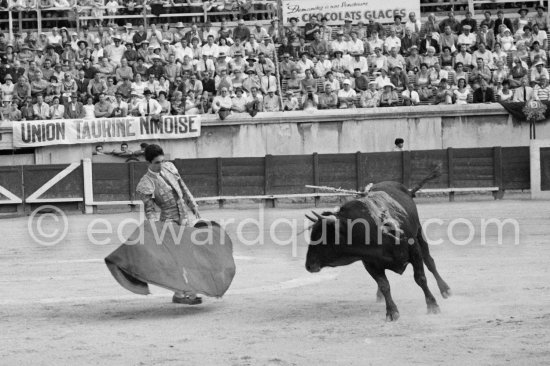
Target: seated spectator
[[467, 37], [318, 45], [447, 59], [484, 94], [254, 102], [89, 108], [427, 44], [222, 103], [323, 66], [413, 61], [542, 91], [57, 111], [410, 96], [486, 36], [371, 97], [537, 54], [103, 108], [238, 102], [269, 82], [286, 66], [382, 78], [462, 92], [346, 96], [436, 75], [464, 57], [399, 79], [41, 109], [394, 59], [310, 99], [328, 99], [378, 61], [291, 103], [361, 82], [271, 102], [482, 72], [538, 72], [389, 97], [307, 81], [443, 95], [430, 58], [524, 93], [540, 36], [505, 94], [120, 107], [392, 41], [409, 40], [487, 56]]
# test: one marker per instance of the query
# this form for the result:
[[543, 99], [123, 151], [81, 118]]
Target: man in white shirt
[[486, 55], [115, 51], [392, 41], [538, 72], [355, 45], [524, 93], [182, 49], [340, 44], [210, 48], [540, 36], [467, 37], [410, 96], [222, 102], [346, 96], [149, 107], [359, 62], [413, 24]]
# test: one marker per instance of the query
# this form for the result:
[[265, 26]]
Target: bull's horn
[[317, 215], [311, 218]]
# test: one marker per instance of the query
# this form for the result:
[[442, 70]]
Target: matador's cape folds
[[197, 259]]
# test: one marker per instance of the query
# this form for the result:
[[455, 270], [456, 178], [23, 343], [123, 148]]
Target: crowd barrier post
[[88, 186]]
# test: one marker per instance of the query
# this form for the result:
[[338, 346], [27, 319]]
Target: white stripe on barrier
[[34, 198], [12, 198]]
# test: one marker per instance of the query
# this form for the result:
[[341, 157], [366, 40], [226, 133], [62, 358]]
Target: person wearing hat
[[540, 18], [271, 102], [339, 44], [7, 88], [290, 101], [157, 70], [115, 51], [274, 30], [149, 107], [127, 34], [467, 37], [238, 102], [346, 95], [97, 52], [539, 71], [237, 62], [389, 97], [267, 47], [347, 27], [251, 81], [358, 61]]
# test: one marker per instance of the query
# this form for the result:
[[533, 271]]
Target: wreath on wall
[[534, 111]]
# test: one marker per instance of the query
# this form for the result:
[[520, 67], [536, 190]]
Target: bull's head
[[324, 236]]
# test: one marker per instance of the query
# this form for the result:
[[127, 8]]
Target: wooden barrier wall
[[506, 168]]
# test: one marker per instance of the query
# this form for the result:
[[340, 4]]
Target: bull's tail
[[434, 174]]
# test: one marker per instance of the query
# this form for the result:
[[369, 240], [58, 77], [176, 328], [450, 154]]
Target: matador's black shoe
[[186, 300]]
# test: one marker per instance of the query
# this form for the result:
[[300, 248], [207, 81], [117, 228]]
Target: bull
[[381, 229]]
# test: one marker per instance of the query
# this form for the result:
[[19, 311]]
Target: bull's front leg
[[379, 276]]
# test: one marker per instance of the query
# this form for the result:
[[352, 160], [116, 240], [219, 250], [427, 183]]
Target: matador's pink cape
[[186, 258]]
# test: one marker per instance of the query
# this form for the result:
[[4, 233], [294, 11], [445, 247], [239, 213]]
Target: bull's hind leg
[[430, 263], [379, 295], [384, 287], [420, 277]]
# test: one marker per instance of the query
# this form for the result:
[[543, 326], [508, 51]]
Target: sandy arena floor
[[59, 304]]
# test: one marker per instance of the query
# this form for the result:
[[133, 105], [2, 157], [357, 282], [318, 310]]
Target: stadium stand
[[95, 58]]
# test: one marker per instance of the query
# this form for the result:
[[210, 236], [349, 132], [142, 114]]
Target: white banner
[[382, 11], [84, 131]]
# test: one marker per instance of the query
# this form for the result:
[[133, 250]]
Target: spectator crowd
[[253, 67]]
